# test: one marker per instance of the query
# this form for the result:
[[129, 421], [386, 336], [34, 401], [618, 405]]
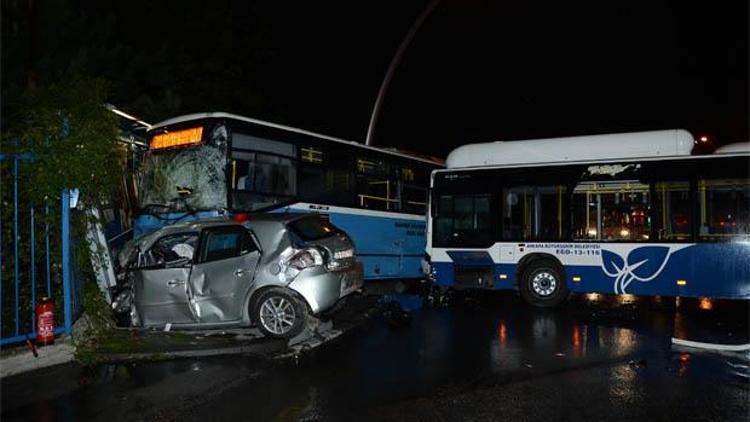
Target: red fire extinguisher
[[45, 321]]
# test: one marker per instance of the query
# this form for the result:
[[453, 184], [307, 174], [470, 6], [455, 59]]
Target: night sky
[[476, 70]]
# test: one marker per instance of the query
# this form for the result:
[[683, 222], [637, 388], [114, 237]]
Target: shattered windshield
[[187, 179]]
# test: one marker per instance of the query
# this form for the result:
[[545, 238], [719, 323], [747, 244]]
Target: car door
[[160, 288], [223, 274]]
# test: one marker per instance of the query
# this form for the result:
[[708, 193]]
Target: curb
[[57, 354]]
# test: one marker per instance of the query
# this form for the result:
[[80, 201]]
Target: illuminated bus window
[[611, 210], [673, 213], [376, 187], [311, 155]]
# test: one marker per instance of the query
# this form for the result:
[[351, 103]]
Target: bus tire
[[542, 284]]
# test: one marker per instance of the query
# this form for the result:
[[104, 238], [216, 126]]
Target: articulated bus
[[631, 213], [218, 164]]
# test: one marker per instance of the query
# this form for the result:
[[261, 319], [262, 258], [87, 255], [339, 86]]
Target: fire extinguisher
[[45, 322]]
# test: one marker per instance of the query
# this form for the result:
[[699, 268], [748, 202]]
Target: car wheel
[[278, 313], [543, 285]]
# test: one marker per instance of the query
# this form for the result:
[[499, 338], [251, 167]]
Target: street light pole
[[394, 62]]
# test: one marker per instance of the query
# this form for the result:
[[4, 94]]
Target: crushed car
[[271, 271]]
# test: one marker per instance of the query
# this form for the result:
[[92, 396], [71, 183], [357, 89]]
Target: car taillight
[[306, 258]]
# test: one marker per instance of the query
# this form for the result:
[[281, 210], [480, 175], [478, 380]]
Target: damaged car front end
[[272, 271]]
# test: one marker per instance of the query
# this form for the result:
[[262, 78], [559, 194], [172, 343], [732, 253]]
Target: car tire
[[542, 284], [279, 313]]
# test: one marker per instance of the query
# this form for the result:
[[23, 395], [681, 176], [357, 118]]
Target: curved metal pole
[[392, 67]]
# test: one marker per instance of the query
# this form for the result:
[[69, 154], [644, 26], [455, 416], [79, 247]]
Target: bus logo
[[643, 264]]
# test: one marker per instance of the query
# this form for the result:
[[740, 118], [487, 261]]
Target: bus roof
[[222, 115], [733, 148], [661, 143]]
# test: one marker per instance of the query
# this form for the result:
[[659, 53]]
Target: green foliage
[[72, 137]]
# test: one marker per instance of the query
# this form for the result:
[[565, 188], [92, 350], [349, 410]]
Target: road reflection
[[616, 347]]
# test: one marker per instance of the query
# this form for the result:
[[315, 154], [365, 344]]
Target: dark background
[[476, 70]]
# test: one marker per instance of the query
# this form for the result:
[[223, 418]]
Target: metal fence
[[39, 260]]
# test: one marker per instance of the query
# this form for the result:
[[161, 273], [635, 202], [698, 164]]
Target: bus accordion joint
[[179, 138]]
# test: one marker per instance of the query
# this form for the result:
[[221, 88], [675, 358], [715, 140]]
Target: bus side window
[[464, 220], [533, 212], [414, 199], [325, 177], [413, 192], [614, 210], [724, 206], [259, 179], [376, 187], [673, 209]]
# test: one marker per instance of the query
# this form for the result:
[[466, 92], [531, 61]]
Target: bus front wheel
[[543, 285]]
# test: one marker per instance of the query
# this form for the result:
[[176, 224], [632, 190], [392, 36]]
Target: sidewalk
[[129, 344], [20, 359]]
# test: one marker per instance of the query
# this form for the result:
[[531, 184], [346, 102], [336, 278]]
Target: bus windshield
[[186, 178]]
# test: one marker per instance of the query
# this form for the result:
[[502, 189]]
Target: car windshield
[[313, 227], [186, 179]]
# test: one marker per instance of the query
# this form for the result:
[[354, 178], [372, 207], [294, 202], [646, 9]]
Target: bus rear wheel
[[543, 285]]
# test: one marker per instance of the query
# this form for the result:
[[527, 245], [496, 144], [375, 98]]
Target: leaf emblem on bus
[[642, 264]]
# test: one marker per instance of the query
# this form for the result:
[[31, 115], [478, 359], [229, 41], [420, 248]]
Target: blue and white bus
[[213, 164], [631, 213]]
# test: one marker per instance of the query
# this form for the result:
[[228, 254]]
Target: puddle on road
[[443, 351]]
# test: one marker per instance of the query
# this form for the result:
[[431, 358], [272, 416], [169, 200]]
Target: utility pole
[[394, 62], [31, 20]]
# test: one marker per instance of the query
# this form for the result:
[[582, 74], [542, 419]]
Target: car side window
[[172, 248], [225, 242], [248, 244]]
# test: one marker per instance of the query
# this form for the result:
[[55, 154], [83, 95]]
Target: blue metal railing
[[61, 284]]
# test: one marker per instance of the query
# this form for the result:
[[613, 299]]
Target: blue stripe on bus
[[471, 258], [718, 270]]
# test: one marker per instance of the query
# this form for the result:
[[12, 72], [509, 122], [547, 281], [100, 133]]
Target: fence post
[[15, 237], [66, 260], [2, 158], [33, 273]]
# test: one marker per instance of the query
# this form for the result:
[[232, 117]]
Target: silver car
[[271, 271]]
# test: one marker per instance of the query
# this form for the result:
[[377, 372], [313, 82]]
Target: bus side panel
[[443, 273], [388, 247], [718, 270], [505, 276], [446, 263]]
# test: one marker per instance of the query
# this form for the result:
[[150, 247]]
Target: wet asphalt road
[[489, 357]]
